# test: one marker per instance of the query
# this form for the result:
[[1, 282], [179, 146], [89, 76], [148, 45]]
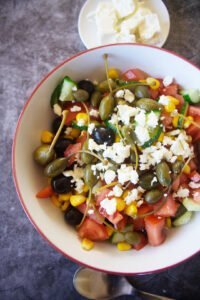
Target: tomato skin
[[121, 224], [194, 111], [167, 121], [72, 114], [92, 231], [134, 74], [72, 149], [155, 230], [182, 179], [195, 176], [171, 90], [143, 242], [101, 196], [92, 216], [138, 223], [193, 167], [45, 193], [168, 209]]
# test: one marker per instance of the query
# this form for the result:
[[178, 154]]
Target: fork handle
[[148, 296]]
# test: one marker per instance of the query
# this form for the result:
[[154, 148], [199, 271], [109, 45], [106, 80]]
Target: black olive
[[61, 184], [73, 216], [61, 146], [87, 86], [103, 135], [56, 124]]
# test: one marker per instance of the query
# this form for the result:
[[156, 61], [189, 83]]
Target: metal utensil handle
[[148, 296]]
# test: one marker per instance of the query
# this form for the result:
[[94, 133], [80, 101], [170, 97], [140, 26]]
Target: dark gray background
[[36, 35]]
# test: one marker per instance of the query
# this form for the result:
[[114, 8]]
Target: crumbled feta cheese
[[131, 197], [100, 167], [91, 127], [109, 176], [93, 146], [174, 113], [194, 185], [113, 120], [142, 134], [77, 175], [182, 193], [127, 173], [117, 191], [110, 205], [90, 211], [117, 152], [167, 80], [129, 96], [81, 122], [124, 8], [149, 27], [154, 180], [126, 112], [94, 113], [152, 119], [75, 108], [119, 94], [167, 140], [57, 109], [174, 132], [140, 118], [74, 88], [181, 146], [68, 130], [164, 100]]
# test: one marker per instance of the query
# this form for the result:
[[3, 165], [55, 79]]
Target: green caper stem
[[118, 130], [88, 114], [87, 207], [88, 152], [105, 56], [129, 86], [64, 116]]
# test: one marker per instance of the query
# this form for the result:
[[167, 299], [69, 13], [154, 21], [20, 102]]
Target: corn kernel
[[125, 194], [85, 188], [173, 100], [82, 117], [131, 210], [186, 169], [168, 222], [121, 204], [55, 201], [180, 157], [64, 197], [109, 230], [117, 139], [175, 121], [154, 83], [123, 246], [87, 244], [75, 132], [65, 205], [77, 200], [113, 73], [187, 123], [46, 137], [170, 107], [161, 137], [143, 80]]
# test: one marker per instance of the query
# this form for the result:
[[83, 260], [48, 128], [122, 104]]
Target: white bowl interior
[[181, 243]]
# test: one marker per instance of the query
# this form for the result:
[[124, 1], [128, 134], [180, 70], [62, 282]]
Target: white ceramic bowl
[[181, 243]]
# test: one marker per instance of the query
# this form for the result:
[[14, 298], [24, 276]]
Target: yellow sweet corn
[[175, 121], [109, 231], [170, 107], [113, 73], [168, 222], [121, 204], [75, 132], [46, 137], [125, 194], [154, 83], [173, 100], [55, 201], [87, 244], [64, 197], [186, 169], [161, 137], [123, 246], [65, 205], [187, 122], [82, 117], [131, 210], [117, 138], [77, 200]]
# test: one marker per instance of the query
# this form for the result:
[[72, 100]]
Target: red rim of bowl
[[14, 165]]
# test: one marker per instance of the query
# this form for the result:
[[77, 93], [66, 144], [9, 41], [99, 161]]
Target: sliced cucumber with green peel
[[183, 111], [66, 90], [154, 135], [110, 125], [117, 237], [183, 219], [191, 95], [191, 205]]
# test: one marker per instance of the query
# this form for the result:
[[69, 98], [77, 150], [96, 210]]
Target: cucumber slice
[[191, 205], [110, 125], [191, 95], [66, 90], [184, 219], [117, 237], [154, 134], [183, 111]]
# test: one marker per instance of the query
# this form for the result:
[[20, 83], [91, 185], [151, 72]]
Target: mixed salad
[[122, 159]]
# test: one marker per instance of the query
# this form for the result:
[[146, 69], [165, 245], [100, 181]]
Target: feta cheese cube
[[149, 27], [117, 191], [152, 119], [110, 205], [167, 81], [142, 134], [124, 8], [109, 176]]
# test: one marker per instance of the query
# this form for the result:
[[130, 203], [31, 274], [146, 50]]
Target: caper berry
[[95, 99], [81, 95], [90, 178], [148, 104], [106, 107], [43, 156], [56, 167]]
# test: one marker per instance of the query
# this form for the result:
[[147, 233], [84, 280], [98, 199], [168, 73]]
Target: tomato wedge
[[171, 90], [194, 111], [134, 74], [139, 222], [169, 209], [155, 230], [101, 196], [92, 216], [72, 149], [45, 192], [142, 243], [93, 231], [72, 114]]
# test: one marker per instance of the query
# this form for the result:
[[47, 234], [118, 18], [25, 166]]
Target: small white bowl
[[88, 30], [36, 116]]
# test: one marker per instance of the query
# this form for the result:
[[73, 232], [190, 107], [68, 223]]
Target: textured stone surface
[[35, 36]]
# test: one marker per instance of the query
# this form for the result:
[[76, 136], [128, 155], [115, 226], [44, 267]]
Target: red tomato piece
[[72, 149], [154, 94], [134, 74], [115, 218], [193, 166], [167, 121], [72, 114], [139, 222], [92, 216], [45, 192], [121, 224], [196, 195], [101, 196], [194, 111], [171, 90], [92, 231], [192, 130], [195, 176], [155, 230], [168, 209], [176, 184], [142, 243]]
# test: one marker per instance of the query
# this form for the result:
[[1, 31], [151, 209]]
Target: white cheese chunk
[[140, 118], [75, 108], [131, 197], [149, 27], [124, 8], [91, 127], [127, 173], [194, 185], [182, 193], [117, 191], [164, 100], [94, 113], [142, 134], [110, 205], [109, 176], [152, 119], [126, 112], [167, 80], [117, 152], [124, 37]]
